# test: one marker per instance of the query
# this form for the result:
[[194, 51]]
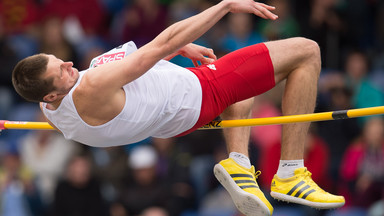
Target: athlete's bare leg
[[237, 139], [298, 61]]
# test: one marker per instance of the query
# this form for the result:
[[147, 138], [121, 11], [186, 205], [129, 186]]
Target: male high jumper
[[144, 95]]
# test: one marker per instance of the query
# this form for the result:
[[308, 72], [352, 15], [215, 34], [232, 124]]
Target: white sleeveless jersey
[[163, 102]]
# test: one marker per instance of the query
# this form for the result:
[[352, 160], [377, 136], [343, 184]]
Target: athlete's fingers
[[195, 63], [269, 7], [207, 60], [210, 54], [258, 13], [263, 11]]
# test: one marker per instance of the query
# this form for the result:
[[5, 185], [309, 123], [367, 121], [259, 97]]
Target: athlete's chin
[[75, 75], [75, 72]]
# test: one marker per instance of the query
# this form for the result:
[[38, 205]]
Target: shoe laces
[[309, 180], [257, 174]]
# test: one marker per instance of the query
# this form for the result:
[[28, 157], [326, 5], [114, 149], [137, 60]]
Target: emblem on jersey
[[107, 58], [211, 66]]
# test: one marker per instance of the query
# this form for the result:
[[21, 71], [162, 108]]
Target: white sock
[[241, 159], [287, 168]]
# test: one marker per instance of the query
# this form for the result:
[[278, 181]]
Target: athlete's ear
[[50, 97]]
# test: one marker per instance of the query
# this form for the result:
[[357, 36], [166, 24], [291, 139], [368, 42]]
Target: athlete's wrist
[[226, 5]]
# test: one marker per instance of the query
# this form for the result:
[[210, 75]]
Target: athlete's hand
[[250, 6], [198, 53]]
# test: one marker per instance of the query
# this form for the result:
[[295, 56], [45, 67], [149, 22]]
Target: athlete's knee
[[306, 47], [239, 110], [309, 51]]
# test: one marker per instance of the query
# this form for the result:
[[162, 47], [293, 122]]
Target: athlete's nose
[[69, 63]]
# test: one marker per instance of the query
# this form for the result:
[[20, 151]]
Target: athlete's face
[[63, 74]]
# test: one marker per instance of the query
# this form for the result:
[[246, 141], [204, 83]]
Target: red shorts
[[237, 76]]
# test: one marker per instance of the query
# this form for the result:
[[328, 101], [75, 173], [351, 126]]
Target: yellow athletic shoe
[[243, 188], [303, 190]]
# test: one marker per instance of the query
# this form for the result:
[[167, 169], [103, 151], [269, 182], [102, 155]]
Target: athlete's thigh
[[244, 73], [288, 54]]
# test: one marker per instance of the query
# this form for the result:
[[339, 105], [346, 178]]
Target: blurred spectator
[[8, 60], [217, 202], [360, 21], [46, 153], [113, 6], [377, 209], [320, 20], [145, 188], [171, 162], [85, 24], [79, 192], [205, 148], [363, 165], [111, 168], [284, 27], [140, 22], [19, 21], [173, 165], [154, 211], [19, 16], [335, 95], [53, 41], [378, 57], [89, 13], [240, 33], [180, 10], [365, 94], [117, 209], [18, 194]]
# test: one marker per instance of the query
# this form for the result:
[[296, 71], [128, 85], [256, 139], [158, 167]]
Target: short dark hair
[[27, 78]]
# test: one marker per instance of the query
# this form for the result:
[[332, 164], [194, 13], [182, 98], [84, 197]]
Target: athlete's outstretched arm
[[188, 30], [116, 74]]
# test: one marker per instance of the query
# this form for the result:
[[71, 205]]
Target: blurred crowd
[[42, 174]]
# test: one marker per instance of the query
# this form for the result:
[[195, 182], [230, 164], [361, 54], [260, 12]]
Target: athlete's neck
[[55, 104]]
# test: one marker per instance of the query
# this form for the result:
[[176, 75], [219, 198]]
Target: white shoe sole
[[247, 203], [318, 205]]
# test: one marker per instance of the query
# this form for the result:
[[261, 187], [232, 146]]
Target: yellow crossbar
[[313, 117]]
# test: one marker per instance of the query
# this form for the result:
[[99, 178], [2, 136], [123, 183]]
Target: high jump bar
[[312, 117]]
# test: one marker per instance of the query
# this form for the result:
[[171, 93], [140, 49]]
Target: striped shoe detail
[[299, 191], [309, 192], [295, 187], [245, 180]]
